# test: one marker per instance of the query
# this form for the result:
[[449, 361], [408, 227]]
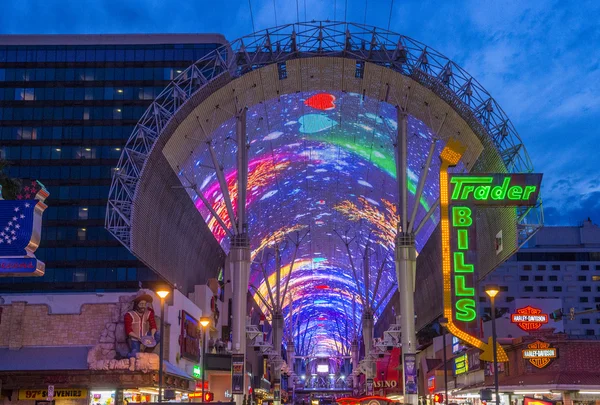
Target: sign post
[[459, 195]]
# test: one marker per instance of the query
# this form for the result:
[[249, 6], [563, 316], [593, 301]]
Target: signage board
[[197, 371], [539, 353], [385, 384], [460, 195], [59, 393], [237, 374], [410, 374], [461, 364], [369, 386], [50, 393], [431, 384], [496, 189], [20, 232], [529, 318], [189, 340]]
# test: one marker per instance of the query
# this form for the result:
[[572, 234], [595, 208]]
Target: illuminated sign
[[495, 189], [197, 371], [459, 293], [385, 384], [461, 364], [431, 383], [20, 232], [540, 354], [529, 318], [59, 393], [535, 401]]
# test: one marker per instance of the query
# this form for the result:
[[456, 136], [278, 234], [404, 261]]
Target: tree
[[10, 186]]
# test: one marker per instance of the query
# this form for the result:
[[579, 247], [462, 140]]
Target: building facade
[[558, 263], [68, 104]]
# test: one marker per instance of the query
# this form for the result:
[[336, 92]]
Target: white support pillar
[[405, 254], [239, 255], [354, 355], [368, 326]]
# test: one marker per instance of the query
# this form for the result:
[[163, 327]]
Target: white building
[[557, 263]]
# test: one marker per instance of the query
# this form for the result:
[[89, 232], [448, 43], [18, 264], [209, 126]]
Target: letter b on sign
[[461, 217]]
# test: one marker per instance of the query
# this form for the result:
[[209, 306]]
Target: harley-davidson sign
[[529, 318], [540, 354]]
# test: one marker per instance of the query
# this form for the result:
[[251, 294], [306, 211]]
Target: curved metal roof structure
[[322, 101]]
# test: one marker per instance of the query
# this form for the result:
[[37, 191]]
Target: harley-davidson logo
[[539, 353], [529, 318]]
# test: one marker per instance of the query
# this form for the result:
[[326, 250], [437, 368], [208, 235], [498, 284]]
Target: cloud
[[574, 211]]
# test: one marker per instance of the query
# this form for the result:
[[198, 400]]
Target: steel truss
[[277, 45]]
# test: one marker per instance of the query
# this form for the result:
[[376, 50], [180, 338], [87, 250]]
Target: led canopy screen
[[322, 173]]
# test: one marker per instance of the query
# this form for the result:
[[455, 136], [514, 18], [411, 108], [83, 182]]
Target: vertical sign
[[50, 393], [462, 193], [237, 374], [410, 374], [189, 340], [369, 387]]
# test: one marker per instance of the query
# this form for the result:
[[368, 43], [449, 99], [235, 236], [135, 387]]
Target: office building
[[68, 104]]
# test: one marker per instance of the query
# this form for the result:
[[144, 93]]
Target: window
[[528, 288], [83, 212], [539, 278], [586, 289], [582, 278], [527, 267], [589, 332], [543, 289], [541, 267], [598, 267], [553, 278], [556, 267], [26, 94], [597, 299], [557, 288], [482, 299], [585, 267], [503, 288], [524, 278], [595, 278], [510, 299], [583, 299], [81, 233]]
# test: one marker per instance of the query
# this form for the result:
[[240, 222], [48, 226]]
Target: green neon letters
[[461, 221], [480, 188]]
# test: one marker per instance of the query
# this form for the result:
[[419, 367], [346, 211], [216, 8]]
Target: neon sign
[[461, 364], [540, 354], [529, 318], [496, 189], [466, 192]]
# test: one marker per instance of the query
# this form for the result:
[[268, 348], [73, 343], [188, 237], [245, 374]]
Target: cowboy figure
[[140, 326]]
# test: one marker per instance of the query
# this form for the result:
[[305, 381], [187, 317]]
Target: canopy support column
[[406, 260], [240, 253]]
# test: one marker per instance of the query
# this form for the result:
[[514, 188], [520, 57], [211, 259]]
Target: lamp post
[[492, 290], [204, 322], [443, 324], [162, 294]]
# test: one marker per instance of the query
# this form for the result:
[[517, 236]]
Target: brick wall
[[32, 325]]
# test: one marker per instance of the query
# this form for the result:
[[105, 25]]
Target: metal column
[[240, 251], [368, 326], [405, 253]]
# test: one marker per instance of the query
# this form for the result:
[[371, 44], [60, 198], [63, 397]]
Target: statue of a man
[[140, 326]]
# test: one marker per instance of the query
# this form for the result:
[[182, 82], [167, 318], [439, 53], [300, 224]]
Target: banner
[[410, 374], [237, 374]]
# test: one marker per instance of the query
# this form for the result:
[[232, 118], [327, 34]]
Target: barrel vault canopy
[[322, 102]]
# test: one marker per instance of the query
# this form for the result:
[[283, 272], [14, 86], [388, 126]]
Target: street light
[[162, 294], [492, 290], [204, 322], [444, 324]]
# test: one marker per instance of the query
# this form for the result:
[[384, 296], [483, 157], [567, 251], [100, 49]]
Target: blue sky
[[539, 58]]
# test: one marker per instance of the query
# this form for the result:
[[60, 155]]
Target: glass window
[[539, 278], [586, 289], [582, 278], [543, 288], [528, 288], [25, 94], [527, 267], [585, 267], [583, 299], [524, 278], [557, 288], [541, 267]]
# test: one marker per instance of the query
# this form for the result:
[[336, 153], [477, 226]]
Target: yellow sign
[[450, 156], [461, 364], [59, 393]]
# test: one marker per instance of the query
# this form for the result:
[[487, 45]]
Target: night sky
[[539, 59]]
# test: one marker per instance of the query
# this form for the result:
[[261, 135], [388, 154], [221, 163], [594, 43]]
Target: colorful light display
[[320, 164], [539, 353]]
